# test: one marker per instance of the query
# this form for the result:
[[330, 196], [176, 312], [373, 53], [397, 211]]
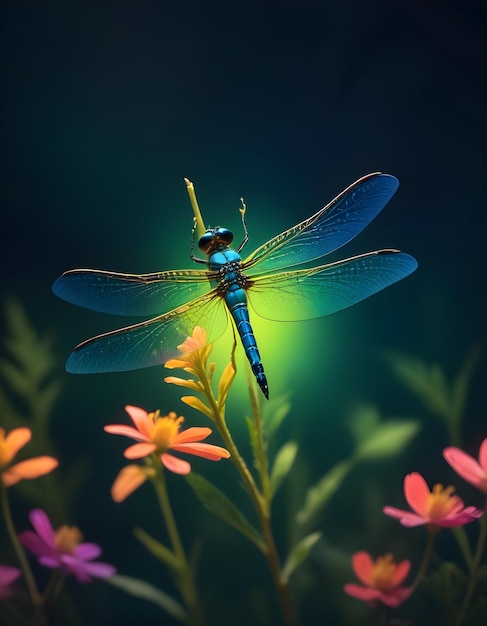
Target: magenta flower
[[7, 576], [62, 548], [382, 579], [438, 507], [467, 467]]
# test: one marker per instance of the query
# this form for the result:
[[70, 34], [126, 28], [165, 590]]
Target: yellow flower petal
[[197, 404]]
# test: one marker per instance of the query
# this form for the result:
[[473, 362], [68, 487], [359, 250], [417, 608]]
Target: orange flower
[[130, 478], [32, 468], [195, 351], [160, 433]]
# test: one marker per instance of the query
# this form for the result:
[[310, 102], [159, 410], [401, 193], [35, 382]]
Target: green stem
[[184, 573], [432, 532], [52, 592], [474, 568], [24, 564], [260, 504]]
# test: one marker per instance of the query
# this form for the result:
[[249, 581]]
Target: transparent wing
[[333, 226], [151, 342], [309, 293], [131, 294]]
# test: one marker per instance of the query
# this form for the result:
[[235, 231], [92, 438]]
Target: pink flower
[[62, 548], [7, 576], [467, 467], [438, 507], [382, 579], [160, 433]]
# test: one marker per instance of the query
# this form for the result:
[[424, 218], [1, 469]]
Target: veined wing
[[131, 294], [149, 343], [309, 293], [333, 226]]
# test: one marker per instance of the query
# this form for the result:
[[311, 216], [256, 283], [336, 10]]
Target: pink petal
[[178, 466], [17, 439], [466, 467], [194, 433], [205, 450], [405, 517], [141, 420], [126, 431], [50, 561], [87, 551], [395, 597], [469, 514], [34, 543], [8, 575], [416, 492], [483, 455], [401, 572], [362, 593], [362, 564], [139, 450], [42, 525]]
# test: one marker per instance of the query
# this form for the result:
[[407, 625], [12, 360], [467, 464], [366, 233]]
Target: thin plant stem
[[185, 576], [52, 592], [19, 550], [432, 532], [259, 501], [474, 568]]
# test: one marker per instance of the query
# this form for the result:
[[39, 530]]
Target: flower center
[[441, 502], [383, 573], [166, 429], [67, 538]]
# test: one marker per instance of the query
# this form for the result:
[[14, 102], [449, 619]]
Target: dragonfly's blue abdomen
[[232, 284]]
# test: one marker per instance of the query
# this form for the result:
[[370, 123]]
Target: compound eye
[[206, 240], [223, 235]]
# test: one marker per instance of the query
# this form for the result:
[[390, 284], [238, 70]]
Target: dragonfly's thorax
[[227, 264]]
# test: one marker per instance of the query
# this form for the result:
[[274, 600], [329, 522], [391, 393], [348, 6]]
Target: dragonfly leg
[[244, 224]]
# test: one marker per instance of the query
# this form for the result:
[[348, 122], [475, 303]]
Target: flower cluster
[[436, 508]]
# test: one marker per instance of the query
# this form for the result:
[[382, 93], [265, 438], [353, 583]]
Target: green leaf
[[428, 382], [448, 584], [217, 503], [362, 422], [318, 495], [141, 589], [299, 553], [156, 548], [282, 464], [273, 414], [462, 382], [252, 436], [388, 439]]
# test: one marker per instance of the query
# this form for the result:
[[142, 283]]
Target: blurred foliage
[[146, 591], [446, 400], [30, 386]]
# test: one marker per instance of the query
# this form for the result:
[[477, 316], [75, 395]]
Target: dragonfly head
[[215, 239]]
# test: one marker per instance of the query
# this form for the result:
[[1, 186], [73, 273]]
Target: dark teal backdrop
[[107, 106]]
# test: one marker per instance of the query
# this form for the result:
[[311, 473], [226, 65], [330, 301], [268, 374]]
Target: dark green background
[[106, 106]]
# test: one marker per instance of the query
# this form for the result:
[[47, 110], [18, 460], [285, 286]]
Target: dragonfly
[[281, 281]]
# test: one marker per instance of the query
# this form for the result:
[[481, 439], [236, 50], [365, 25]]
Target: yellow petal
[[197, 404]]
